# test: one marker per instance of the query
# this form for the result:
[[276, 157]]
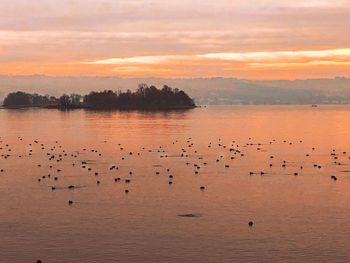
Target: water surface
[[302, 218]]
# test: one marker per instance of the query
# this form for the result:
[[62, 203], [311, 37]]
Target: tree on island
[[147, 98], [22, 99], [144, 98], [73, 101]]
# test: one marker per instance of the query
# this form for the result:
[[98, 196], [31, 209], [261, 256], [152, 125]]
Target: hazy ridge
[[203, 90]]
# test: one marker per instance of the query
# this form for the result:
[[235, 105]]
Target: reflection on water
[[299, 215]]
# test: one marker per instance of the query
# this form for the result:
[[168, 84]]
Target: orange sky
[[253, 39]]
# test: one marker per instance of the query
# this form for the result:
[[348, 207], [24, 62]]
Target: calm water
[[304, 218]]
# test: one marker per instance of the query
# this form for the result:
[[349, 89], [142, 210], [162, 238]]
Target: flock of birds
[[186, 151], [57, 154]]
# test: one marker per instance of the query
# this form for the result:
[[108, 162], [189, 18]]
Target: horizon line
[[169, 78]]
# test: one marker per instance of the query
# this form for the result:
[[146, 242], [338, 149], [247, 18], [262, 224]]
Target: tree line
[[144, 98]]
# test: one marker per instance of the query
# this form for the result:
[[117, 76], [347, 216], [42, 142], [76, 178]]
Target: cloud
[[136, 60], [153, 36], [300, 64], [318, 4], [248, 57], [280, 55], [160, 15]]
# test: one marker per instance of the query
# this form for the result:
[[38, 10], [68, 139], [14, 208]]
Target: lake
[[299, 213]]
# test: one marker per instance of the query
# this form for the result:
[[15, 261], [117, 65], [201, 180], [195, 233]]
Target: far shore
[[181, 108]]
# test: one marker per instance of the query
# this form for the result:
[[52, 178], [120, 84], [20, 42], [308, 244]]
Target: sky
[[250, 39]]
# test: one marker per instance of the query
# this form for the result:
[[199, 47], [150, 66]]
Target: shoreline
[[164, 109], [100, 108]]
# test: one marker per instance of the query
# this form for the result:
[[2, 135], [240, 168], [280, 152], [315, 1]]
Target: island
[[144, 98]]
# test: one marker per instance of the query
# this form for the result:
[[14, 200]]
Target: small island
[[144, 98]]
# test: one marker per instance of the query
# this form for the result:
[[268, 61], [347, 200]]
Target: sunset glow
[[244, 39]]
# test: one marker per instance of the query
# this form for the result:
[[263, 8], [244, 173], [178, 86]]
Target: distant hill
[[203, 90]]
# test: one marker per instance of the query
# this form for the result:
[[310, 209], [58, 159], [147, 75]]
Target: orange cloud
[[236, 38]]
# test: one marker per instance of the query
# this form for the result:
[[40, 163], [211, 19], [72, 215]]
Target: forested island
[[144, 98]]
